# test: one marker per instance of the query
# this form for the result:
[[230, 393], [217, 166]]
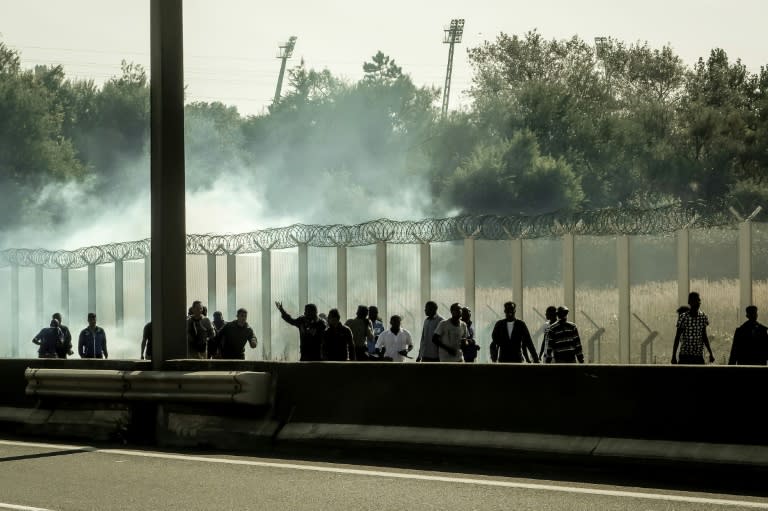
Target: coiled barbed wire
[[602, 222]]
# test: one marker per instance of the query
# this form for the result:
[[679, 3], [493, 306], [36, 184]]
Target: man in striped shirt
[[562, 340]]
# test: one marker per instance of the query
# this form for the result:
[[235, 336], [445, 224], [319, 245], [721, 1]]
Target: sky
[[231, 45]]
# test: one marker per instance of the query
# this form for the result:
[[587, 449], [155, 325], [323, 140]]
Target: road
[[52, 476]]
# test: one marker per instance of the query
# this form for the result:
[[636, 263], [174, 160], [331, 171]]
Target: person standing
[[92, 342], [311, 329], [235, 335], [550, 315], [750, 342], [214, 345], [510, 339], [428, 351], [146, 342], [450, 335], [470, 348], [65, 347], [563, 341], [49, 339], [362, 332], [199, 332], [395, 344], [691, 335], [336, 341], [376, 325]]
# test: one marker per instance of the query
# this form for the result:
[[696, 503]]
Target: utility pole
[[285, 52], [602, 44], [453, 35]]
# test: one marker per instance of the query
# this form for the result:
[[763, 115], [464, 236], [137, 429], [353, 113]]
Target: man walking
[[750, 342], [64, 348], [428, 351], [92, 342], [362, 332], [235, 335], [510, 339], [49, 340], [337, 344], [199, 331], [691, 335], [395, 344], [311, 329], [450, 335], [563, 341]]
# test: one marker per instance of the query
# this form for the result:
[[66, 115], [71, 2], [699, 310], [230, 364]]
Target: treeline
[[553, 125]]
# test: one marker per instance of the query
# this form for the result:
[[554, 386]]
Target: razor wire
[[601, 222]]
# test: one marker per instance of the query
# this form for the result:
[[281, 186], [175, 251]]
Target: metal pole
[[683, 269], [381, 277], [92, 288], [266, 303], [623, 280], [147, 289], [303, 275], [517, 276], [211, 262], [14, 310], [469, 272], [569, 274], [425, 272], [341, 281], [65, 292], [280, 80], [232, 286], [168, 252], [39, 308], [119, 297], [745, 265]]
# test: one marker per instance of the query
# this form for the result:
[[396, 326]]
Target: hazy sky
[[230, 45]]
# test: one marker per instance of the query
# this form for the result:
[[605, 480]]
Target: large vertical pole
[[39, 307], [211, 262], [168, 252], [119, 297], [65, 293], [341, 281], [517, 276], [280, 80], [569, 274], [623, 280], [745, 265], [232, 286], [92, 288], [266, 302], [683, 268], [15, 310], [425, 272], [303, 274], [447, 86], [147, 289], [469, 272], [381, 278]]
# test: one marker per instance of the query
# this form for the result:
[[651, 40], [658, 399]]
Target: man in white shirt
[[450, 335], [396, 342], [428, 351]]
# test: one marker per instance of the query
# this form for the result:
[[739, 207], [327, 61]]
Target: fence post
[[623, 281], [210, 259], [425, 271], [92, 288], [119, 299], [39, 312], [266, 301], [381, 277], [303, 275], [683, 265], [517, 276], [65, 292], [469, 272], [232, 285], [745, 264], [341, 281], [147, 289], [15, 310], [569, 274]]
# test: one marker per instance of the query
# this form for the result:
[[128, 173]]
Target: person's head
[[509, 310], [430, 308], [682, 308], [310, 310], [218, 316], [373, 313], [694, 300], [466, 314], [562, 312], [54, 323], [197, 309], [242, 315], [752, 313], [334, 318], [551, 313], [204, 311], [57, 317], [395, 321], [455, 311], [91, 319], [362, 312]]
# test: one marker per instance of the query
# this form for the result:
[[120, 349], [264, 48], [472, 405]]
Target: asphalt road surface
[[52, 476]]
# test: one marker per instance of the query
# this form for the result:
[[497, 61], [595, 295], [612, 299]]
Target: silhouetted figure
[[750, 342], [48, 340], [376, 325], [510, 339], [450, 335], [146, 342], [551, 316], [362, 332], [395, 343], [235, 335], [65, 347], [691, 335], [428, 350], [563, 341], [199, 331], [469, 348], [336, 341], [92, 342], [311, 329], [214, 345]]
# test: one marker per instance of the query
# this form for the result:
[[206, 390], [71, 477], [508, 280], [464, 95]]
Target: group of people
[[364, 337]]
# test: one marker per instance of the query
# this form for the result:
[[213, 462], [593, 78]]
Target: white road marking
[[399, 475], [21, 508]]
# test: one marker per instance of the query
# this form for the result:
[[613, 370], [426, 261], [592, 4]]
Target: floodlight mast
[[285, 51], [453, 35]]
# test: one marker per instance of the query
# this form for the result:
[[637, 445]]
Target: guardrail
[[245, 387]]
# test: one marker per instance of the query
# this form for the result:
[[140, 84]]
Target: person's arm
[[422, 342], [81, 345], [733, 357], [676, 344], [104, 348], [253, 342], [579, 349], [437, 339], [528, 343], [706, 344], [36, 339], [494, 344], [286, 317], [143, 347], [350, 344]]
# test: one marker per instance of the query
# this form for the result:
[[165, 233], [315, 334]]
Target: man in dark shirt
[[146, 342], [48, 339], [92, 342], [362, 332], [510, 339], [235, 335], [750, 342], [563, 341], [64, 348], [337, 339], [311, 329]]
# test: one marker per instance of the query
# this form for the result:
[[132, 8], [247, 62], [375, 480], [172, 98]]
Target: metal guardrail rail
[[245, 387]]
